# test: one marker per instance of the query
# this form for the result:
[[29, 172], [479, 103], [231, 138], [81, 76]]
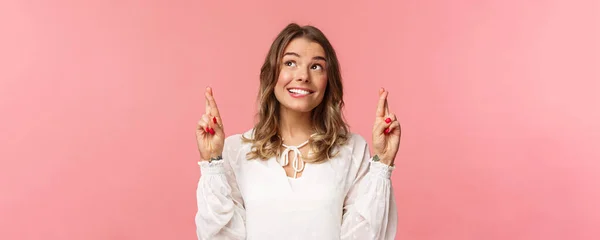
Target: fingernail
[[207, 129], [212, 131], [388, 120], [387, 130], [215, 119]]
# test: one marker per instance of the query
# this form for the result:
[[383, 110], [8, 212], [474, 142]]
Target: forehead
[[305, 48]]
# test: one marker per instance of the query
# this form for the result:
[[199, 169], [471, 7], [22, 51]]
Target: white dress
[[346, 197]]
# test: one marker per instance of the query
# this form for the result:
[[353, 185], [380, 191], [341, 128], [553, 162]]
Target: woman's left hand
[[386, 131]]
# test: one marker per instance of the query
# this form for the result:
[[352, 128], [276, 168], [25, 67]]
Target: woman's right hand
[[209, 132]]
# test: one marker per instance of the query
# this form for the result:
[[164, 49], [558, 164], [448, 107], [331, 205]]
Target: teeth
[[299, 91]]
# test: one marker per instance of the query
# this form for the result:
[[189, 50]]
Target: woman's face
[[303, 77]]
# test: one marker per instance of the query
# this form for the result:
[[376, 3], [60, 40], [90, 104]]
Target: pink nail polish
[[387, 130], [211, 131], [215, 119], [388, 120]]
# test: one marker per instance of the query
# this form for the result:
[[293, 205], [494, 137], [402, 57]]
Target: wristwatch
[[376, 158]]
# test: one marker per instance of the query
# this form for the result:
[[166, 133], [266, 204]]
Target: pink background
[[501, 121]]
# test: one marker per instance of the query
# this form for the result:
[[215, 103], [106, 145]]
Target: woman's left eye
[[316, 67]]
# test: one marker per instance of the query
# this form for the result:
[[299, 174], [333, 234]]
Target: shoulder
[[355, 142], [356, 148], [353, 159], [235, 146], [236, 140]]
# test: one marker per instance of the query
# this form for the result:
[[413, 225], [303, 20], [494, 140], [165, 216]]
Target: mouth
[[299, 92]]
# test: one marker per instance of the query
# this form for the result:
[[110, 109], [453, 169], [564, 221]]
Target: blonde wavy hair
[[330, 128]]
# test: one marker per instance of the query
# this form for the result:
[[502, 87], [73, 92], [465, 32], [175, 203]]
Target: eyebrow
[[298, 55]]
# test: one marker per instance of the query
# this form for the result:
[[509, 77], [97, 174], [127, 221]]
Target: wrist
[[382, 159], [215, 158]]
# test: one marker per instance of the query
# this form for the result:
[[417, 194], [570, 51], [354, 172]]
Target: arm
[[370, 208], [221, 213]]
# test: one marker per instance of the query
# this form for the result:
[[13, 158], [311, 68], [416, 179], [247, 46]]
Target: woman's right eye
[[290, 63]]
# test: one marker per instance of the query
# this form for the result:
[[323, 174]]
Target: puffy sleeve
[[221, 213], [369, 207]]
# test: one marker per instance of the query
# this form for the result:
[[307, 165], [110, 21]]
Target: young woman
[[298, 173]]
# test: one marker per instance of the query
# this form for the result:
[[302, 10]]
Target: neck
[[294, 127]]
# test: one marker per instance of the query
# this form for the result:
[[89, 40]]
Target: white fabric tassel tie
[[297, 163]]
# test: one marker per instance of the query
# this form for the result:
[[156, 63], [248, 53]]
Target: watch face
[[375, 158]]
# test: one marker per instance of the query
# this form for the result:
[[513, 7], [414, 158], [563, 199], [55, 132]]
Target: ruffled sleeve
[[369, 208], [221, 213]]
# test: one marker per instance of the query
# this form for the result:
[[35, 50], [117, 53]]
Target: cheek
[[284, 78], [320, 82]]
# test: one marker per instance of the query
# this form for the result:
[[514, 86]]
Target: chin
[[301, 109], [298, 108]]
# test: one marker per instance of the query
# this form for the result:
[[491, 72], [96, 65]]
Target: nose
[[302, 75]]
